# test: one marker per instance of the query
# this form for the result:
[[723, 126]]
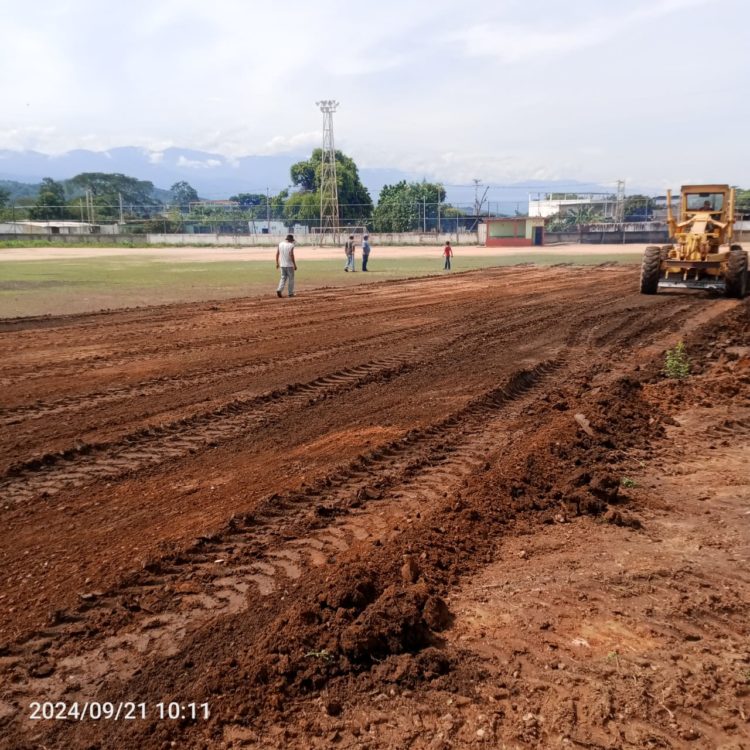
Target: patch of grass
[[628, 483], [676, 362], [78, 243], [74, 285]]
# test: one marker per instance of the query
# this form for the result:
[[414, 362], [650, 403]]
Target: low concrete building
[[57, 227], [563, 204], [518, 231]]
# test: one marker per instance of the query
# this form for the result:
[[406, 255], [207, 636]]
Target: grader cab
[[702, 256]]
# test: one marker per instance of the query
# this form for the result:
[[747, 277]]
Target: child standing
[[448, 253]]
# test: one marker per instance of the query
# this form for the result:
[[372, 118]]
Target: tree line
[[104, 197], [401, 207]]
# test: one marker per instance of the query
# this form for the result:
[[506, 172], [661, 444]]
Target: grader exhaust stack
[[702, 256]]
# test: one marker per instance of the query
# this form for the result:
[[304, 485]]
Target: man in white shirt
[[285, 261]]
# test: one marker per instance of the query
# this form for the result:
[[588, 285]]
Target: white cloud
[[183, 161], [512, 42], [281, 144], [497, 90]]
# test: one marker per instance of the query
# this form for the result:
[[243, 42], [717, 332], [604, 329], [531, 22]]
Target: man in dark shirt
[[365, 251]]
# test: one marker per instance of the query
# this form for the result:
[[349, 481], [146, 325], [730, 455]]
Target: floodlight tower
[[620, 204], [329, 191]]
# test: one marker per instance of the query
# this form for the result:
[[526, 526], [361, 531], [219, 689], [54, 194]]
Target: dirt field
[[447, 512], [61, 280]]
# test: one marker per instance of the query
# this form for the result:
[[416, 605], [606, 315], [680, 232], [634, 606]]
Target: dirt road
[[373, 517]]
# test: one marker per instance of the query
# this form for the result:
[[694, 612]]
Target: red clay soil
[[438, 513]]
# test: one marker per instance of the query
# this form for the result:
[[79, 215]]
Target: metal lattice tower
[[329, 191], [620, 205]]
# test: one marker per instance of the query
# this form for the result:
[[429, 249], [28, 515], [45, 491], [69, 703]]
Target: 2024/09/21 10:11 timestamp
[[117, 711]]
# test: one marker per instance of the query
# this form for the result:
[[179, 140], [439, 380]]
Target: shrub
[[676, 362]]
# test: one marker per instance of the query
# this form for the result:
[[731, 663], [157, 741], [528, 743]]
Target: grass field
[[58, 286]]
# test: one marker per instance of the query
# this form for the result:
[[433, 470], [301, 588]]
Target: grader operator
[[702, 256]]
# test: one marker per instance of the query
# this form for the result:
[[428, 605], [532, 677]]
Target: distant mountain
[[18, 190], [212, 175], [217, 176]]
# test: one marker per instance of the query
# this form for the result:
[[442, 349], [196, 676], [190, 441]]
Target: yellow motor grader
[[702, 256]]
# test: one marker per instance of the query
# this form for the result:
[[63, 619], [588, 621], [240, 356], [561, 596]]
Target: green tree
[[4, 197], [355, 203], [183, 194], [584, 215], [249, 200], [306, 174], [107, 189], [742, 201], [573, 219], [277, 205], [252, 205], [638, 208], [302, 208], [50, 203], [409, 206]]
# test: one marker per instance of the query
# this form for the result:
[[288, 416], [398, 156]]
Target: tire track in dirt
[[72, 363], [148, 446], [267, 552], [151, 446], [506, 323], [166, 384], [287, 328]]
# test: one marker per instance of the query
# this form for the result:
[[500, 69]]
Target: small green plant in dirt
[[676, 362], [628, 483]]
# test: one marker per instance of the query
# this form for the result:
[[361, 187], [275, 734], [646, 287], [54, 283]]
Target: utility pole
[[90, 206], [439, 189], [478, 203], [329, 191], [122, 220], [268, 212]]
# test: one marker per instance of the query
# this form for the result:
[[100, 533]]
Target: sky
[[654, 92]]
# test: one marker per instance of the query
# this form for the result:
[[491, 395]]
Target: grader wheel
[[736, 278], [650, 270]]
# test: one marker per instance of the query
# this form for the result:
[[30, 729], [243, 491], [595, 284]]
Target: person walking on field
[[365, 251], [349, 250], [285, 261], [448, 253]]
